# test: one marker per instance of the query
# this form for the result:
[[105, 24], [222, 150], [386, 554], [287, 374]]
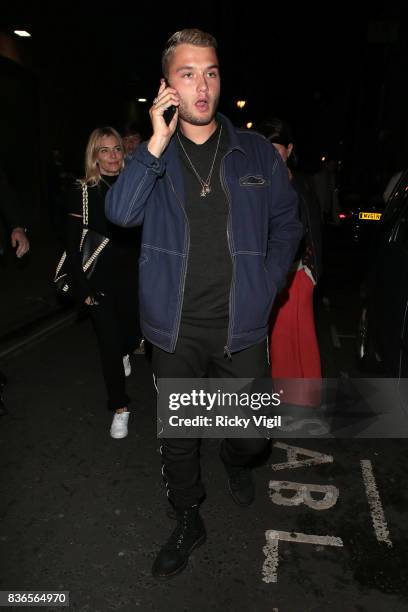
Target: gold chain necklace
[[205, 185]]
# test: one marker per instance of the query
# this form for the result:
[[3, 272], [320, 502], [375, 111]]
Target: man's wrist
[[157, 145]]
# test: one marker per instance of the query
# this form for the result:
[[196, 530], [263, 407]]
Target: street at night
[[85, 513], [229, 195]]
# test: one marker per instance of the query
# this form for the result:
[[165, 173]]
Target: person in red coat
[[294, 348]]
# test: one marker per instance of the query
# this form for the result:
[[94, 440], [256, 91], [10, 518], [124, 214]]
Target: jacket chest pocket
[[253, 180]]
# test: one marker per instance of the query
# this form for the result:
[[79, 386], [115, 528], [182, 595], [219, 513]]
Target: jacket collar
[[233, 134], [233, 139], [172, 161]]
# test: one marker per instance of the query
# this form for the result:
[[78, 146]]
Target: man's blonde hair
[[190, 36]]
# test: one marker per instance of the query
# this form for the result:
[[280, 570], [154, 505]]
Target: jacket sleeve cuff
[[143, 156]]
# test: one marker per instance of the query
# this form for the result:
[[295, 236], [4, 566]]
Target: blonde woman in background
[[110, 294]]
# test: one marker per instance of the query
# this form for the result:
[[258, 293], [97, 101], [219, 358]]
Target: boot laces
[[179, 533]]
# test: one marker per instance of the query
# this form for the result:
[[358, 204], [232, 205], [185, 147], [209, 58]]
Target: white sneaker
[[119, 427], [141, 348], [126, 365]]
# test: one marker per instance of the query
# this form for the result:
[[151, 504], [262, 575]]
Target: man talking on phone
[[220, 229]]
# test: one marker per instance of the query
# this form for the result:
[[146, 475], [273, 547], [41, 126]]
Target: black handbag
[[91, 246]]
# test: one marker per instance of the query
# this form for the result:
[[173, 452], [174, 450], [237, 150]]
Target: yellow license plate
[[369, 216]]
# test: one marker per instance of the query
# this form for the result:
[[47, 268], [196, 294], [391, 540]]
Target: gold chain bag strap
[[91, 246]]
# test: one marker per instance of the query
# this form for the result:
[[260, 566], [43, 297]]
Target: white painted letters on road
[[293, 453], [303, 494], [271, 550]]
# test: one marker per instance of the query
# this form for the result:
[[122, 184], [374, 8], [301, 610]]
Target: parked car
[[359, 216], [383, 330]]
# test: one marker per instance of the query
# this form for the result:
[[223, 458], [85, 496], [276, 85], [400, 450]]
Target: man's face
[[131, 142], [194, 73]]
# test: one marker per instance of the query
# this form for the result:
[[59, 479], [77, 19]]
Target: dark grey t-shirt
[[209, 269]]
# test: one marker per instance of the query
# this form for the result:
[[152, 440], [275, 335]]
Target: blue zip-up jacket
[[263, 233]]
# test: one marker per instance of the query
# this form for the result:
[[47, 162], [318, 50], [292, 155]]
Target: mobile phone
[[169, 112]]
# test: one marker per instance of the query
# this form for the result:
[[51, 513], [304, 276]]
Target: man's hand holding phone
[[164, 117]]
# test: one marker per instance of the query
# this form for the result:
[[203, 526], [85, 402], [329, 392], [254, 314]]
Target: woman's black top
[[310, 248], [117, 266]]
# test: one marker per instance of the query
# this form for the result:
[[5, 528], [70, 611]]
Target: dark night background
[[337, 76], [87, 515]]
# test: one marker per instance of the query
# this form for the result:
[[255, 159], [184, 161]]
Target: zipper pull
[[227, 353]]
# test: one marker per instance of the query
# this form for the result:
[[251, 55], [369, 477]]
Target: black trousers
[[200, 354], [113, 328]]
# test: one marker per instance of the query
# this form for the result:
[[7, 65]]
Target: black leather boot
[[188, 534], [240, 484]]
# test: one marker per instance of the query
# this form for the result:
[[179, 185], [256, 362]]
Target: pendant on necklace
[[205, 191]]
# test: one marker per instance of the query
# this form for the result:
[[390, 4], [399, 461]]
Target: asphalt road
[[83, 513]]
